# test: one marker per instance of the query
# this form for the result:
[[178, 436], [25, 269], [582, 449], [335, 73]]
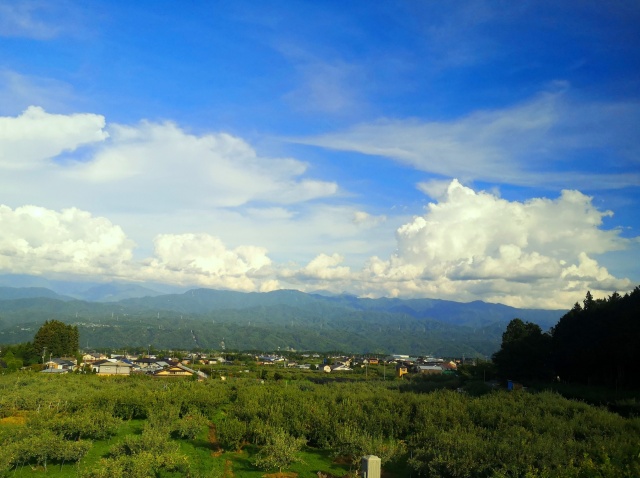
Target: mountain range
[[118, 316]]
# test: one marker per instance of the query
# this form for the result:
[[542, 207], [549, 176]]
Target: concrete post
[[370, 466]]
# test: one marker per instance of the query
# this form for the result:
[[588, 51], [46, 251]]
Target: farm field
[[91, 426]]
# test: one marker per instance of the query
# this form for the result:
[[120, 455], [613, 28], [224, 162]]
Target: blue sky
[[457, 150]]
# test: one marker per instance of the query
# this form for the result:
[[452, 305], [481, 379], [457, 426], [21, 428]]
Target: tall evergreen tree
[[57, 338], [524, 353], [598, 344], [588, 301]]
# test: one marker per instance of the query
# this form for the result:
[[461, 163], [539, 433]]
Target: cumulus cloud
[[469, 224], [476, 245], [35, 240], [36, 136], [468, 246], [325, 267], [204, 259], [434, 188]]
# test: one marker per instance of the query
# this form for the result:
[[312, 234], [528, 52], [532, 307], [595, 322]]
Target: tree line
[[595, 343], [53, 339]]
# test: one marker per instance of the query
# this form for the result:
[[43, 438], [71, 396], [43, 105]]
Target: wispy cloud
[[36, 19], [525, 144], [325, 87], [19, 91]]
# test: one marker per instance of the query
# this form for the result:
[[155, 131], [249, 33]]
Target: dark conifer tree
[[598, 344], [525, 352], [57, 338]]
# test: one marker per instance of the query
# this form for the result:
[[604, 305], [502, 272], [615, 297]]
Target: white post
[[370, 466]]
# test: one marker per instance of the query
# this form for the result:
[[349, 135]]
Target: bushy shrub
[[231, 433]]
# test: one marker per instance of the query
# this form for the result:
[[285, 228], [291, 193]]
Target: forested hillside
[[202, 318]]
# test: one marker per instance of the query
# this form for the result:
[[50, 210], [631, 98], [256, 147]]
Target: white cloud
[[35, 240], [155, 179], [60, 161], [36, 136], [325, 267], [364, 219], [474, 245], [201, 171], [468, 246], [270, 213], [434, 188], [204, 259], [478, 146], [469, 224], [206, 254]]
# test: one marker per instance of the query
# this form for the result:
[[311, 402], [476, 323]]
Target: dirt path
[[228, 469], [216, 449]]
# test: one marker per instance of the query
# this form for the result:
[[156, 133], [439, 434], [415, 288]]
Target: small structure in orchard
[[370, 466], [401, 369]]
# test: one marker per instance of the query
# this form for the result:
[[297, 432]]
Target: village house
[[117, 367], [93, 357], [151, 365], [179, 370], [67, 364], [216, 360], [428, 369], [55, 370], [340, 367], [449, 366]]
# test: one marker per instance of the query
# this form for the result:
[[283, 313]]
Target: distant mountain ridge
[[13, 293], [257, 320], [457, 313], [90, 291]]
